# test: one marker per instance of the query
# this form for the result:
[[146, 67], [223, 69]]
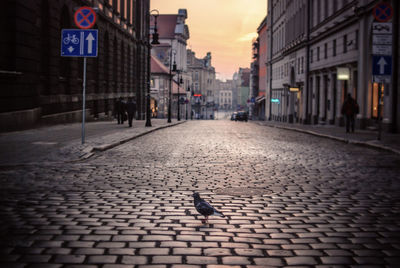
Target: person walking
[[130, 109], [120, 110], [349, 109]]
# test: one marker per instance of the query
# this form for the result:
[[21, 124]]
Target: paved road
[[290, 199]]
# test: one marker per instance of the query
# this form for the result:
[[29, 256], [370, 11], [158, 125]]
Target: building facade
[[173, 35], [203, 85], [310, 43], [40, 86]]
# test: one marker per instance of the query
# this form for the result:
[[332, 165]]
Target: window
[[326, 50], [356, 40], [345, 43], [334, 48], [311, 55], [318, 50]]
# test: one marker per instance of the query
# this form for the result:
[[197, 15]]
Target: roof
[[158, 67], [182, 90], [166, 26]]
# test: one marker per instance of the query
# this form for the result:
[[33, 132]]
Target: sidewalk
[[63, 143], [389, 141]]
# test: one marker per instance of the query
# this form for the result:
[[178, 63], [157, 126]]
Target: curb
[[349, 141], [106, 147]]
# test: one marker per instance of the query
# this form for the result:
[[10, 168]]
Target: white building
[[310, 42]]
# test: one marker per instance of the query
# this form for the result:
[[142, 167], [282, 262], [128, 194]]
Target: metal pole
[[379, 111], [148, 111], [83, 100], [170, 87], [179, 115]]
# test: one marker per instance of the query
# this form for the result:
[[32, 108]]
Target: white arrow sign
[[90, 40], [382, 64]]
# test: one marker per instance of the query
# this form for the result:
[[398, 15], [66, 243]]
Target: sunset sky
[[223, 27]]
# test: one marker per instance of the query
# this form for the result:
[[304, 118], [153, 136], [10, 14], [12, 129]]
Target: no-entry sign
[[85, 17]]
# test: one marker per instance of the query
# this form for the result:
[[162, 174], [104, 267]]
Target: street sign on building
[[382, 28], [381, 49], [381, 39], [79, 43], [382, 12], [85, 17], [381, 65]]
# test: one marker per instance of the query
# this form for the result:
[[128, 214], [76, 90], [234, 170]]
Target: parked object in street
[[349, 109], [205, 208], [241, 116], [233, 116]]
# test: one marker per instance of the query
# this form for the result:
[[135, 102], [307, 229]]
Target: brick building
[[40, 86]]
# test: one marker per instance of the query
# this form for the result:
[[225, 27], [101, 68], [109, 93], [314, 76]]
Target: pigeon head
[[196, 195]]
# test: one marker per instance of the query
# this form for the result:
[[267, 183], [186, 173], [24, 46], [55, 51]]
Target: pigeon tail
[[217, 213]]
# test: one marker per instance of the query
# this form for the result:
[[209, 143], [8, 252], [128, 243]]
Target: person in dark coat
[[349, 109], [130, 109], [120, 110]]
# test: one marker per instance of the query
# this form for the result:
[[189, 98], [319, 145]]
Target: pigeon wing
[[204, 208]]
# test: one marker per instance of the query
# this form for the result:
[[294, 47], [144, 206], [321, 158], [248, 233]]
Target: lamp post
[[180, 81], [171, 68], [153, 42]]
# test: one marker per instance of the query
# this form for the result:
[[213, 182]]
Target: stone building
[[173, 35], [310, 43], [40, 86], [203, 85], [258, 80]]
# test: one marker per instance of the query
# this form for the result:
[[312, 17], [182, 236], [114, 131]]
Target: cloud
[[247, 37]]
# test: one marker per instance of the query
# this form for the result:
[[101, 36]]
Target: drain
[[242, 191]]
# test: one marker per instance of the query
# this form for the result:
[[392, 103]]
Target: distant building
[[173, 35], [243, 88], [262, 70], [203, 85], [39, 86]]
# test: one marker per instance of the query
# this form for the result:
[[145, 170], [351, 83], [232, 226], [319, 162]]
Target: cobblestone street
[[290, 199]]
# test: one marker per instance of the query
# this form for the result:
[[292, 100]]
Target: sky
[[225, 28]]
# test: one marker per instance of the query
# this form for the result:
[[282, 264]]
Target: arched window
[[106, 62], [129, 71], [115, 65], [123, 75], [45, 48], [64, 67]]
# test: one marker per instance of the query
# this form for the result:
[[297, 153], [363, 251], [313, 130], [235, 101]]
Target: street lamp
[[180, 81], [171, 68], [153, 42], [155, 32]]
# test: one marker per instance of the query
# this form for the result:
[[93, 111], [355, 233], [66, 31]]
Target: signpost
[[381, 51], [81, 43]]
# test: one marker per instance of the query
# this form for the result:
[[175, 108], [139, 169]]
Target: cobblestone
[[318, 202]]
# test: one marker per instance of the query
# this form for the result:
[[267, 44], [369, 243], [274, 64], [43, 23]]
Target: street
[[290, 199]]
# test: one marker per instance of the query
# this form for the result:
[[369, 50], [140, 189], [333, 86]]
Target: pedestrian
[[120, 110], [130, 109], [349, 109]]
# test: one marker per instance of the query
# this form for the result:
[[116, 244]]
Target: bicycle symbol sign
[[85, 17], [71, 39], [79, 42], [382, 12]]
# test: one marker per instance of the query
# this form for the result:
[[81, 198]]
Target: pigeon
[[205, 208]]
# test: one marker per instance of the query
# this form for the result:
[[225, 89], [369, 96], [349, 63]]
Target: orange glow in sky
[[225, 28]]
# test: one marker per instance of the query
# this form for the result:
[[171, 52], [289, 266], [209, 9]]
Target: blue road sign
[[79, 43], [381, 65]]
